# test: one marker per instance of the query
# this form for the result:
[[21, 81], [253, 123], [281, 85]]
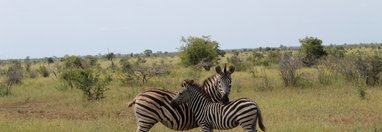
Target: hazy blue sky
[[40, 28]]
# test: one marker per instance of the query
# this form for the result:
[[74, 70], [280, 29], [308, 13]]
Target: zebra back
[[209, 115]]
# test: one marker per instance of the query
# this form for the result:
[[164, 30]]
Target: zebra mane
[[192, 84]]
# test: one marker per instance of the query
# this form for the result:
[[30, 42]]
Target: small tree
[[50, 60], [200, 50], [312, 50], [148, 52]]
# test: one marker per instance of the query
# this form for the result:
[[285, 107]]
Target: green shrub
[[91, 82], [312, 50], [43, 71], [79, 73], [200, 51]]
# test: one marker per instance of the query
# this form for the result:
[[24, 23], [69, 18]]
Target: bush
[[74, 62], [239, 64], [90, 82], [312, 50], [79, 73], [336, 51], [288, 69], [369, 67], [50, 60], [14, 73], [358, 67], [43, 71], [200, 50]]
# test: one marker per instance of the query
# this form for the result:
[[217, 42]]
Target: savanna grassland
[[332, 104]]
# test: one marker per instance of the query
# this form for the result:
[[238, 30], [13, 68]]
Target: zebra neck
[[211, 87], [198, 102]]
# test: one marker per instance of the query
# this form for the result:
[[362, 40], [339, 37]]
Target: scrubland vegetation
[[337, 88]]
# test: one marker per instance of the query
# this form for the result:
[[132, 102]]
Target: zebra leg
[[249, 125], [144, 122], [145, 126], [206, 128]]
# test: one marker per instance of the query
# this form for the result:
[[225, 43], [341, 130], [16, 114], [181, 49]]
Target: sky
[[45, 28]]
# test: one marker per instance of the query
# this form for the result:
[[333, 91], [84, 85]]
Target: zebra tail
[[261, 125], [131, 103]]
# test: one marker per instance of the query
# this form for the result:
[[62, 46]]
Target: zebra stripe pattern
[[153, 106], [210, 115]]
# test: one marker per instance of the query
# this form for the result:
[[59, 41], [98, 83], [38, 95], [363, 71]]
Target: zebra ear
[[218, 70], [231, 69], [184, 82], [225, 68]]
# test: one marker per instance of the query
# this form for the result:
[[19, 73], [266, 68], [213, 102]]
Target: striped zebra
[[153, 106], [210, 115]]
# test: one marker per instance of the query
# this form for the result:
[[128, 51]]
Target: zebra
[[210, 115], [153, 106]]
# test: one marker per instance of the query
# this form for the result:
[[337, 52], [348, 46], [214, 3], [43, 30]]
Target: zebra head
[[224, 81], [183, 95]]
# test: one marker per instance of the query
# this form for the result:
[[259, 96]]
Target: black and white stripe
[[154, 105], [210, 115]]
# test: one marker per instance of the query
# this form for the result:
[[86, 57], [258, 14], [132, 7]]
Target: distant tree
[[283, 47], [110, 56], [148, 52], [50, 60], [200, 50], [73, 62], [312, 49]]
